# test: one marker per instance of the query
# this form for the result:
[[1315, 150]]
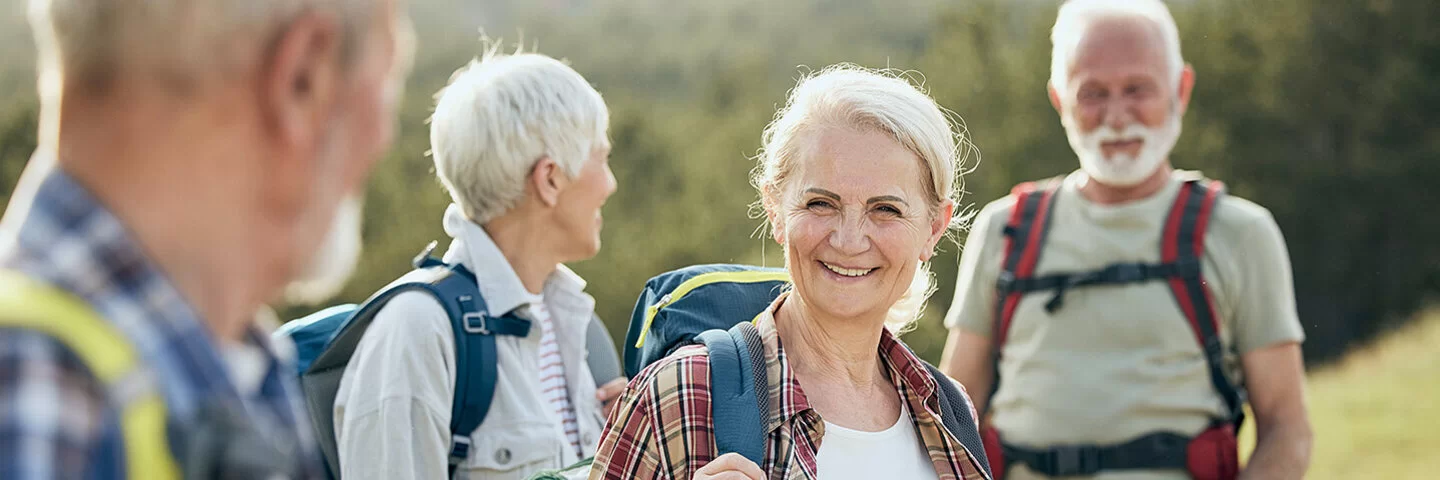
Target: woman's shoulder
[[678, 375]]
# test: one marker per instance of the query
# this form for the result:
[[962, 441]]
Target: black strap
[[1032, 210], [955, 415], [1120, 273], [1150, 452], [1194, 197]]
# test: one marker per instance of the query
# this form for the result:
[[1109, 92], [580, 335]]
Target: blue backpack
[[325, 341], [715, 305]]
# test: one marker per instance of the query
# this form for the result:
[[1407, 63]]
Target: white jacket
[[392, 410]]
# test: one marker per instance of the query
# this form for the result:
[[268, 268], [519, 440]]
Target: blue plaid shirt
[[55, 419]]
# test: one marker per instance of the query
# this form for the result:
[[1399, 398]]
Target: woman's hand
[[730, 466]]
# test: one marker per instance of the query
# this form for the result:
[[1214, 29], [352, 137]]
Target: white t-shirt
[[894, 452]]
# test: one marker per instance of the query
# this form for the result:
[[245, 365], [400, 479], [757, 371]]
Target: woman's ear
[[777, 222], [547, 179], [938, 226]]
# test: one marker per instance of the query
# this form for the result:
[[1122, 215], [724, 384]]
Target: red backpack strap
[[1184, 245], [1024, 235]]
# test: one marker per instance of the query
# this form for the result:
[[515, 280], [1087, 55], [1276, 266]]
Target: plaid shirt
[[661, 427], [56, 420]]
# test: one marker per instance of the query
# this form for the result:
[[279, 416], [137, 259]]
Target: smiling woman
[[857, 181]]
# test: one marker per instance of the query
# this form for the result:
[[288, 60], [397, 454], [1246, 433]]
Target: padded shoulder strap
[[1024, 237], [955, 413], [30, 305], [1184, 244], [739, 390]]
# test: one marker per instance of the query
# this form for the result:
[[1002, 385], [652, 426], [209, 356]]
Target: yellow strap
[[31, 305], [700, 280]]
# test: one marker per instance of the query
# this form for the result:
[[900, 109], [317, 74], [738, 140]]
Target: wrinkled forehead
[[1122, 45]]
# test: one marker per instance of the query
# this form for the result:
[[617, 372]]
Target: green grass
[[1376, 414]]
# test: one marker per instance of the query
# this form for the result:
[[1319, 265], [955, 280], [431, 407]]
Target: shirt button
[[502, 456]]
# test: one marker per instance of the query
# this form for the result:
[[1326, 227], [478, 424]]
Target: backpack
[[1182, 245], [27, 304], [325, 341], [714, 305]]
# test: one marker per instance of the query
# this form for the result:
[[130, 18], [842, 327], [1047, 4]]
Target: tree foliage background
[[1324, 111]]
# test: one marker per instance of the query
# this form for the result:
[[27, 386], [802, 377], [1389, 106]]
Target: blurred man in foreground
[[193, 157], [520, 142], [1117, 302]]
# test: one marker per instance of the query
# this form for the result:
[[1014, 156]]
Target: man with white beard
[[1111, 318]]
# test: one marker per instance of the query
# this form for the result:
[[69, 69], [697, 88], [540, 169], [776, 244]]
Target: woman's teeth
[[849, 272]]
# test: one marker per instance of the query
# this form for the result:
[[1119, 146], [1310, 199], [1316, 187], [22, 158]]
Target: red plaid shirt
[[661, 427]]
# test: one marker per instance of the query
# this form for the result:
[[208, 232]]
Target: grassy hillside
[[1377, 412]]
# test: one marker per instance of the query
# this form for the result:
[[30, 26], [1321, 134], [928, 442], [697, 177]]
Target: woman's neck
[[830, 350]]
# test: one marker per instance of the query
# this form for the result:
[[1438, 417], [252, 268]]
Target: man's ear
[[1054, 98], [299, 80], [1187, 86], [548, 180], [938, 226]]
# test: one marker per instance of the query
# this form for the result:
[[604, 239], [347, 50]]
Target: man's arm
[[967, 360], [1276, 382], [52, 412], [398, 393]]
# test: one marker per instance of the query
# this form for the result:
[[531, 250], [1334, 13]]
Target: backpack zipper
[[701, 280]]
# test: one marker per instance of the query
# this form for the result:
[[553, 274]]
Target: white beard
[[1121, 169], [334, 260]]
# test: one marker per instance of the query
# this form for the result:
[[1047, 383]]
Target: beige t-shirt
[[1119, 361]]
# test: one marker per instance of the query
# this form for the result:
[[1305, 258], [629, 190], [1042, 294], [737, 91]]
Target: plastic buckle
[[475, 322], [459, 449], [1128, 273], [1005, 281], [1070, 461]]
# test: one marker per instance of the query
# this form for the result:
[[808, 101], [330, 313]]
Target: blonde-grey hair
[[884, 100], [502, 113]]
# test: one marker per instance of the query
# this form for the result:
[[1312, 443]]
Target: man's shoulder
[[41, 375]]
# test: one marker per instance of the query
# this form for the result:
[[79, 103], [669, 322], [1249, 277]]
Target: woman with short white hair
[[858, 181], [519, 142]]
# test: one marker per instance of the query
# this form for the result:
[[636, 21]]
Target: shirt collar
[[789, 400], [499, 284]]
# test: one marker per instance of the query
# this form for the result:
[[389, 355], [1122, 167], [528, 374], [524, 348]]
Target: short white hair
[[500, 115], [884, 100], [1074, 20], [90, 40]]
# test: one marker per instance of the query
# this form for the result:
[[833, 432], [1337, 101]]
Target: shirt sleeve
[[393, 417], [53, 413], [627, 446], [1265, 312], [973, 307]]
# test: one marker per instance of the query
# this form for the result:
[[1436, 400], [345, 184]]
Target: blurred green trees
[[1321, 110]]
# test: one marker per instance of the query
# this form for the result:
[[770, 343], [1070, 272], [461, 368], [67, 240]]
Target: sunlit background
[[1325, 111]]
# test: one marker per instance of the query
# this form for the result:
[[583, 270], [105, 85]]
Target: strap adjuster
[[475, 322], [1070, 461], [459, 449]]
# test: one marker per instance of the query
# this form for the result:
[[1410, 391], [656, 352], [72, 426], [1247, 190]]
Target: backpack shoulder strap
[[1183, 245], [955, 414], [739, 389], [31, 305], [1025, 234]]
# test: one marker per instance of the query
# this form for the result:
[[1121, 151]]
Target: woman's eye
[[818, 204], [888, 210]]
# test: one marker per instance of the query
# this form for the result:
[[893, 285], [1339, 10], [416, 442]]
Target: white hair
[[501, 114], [89, 40], [884, 100], [1075, 17]]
